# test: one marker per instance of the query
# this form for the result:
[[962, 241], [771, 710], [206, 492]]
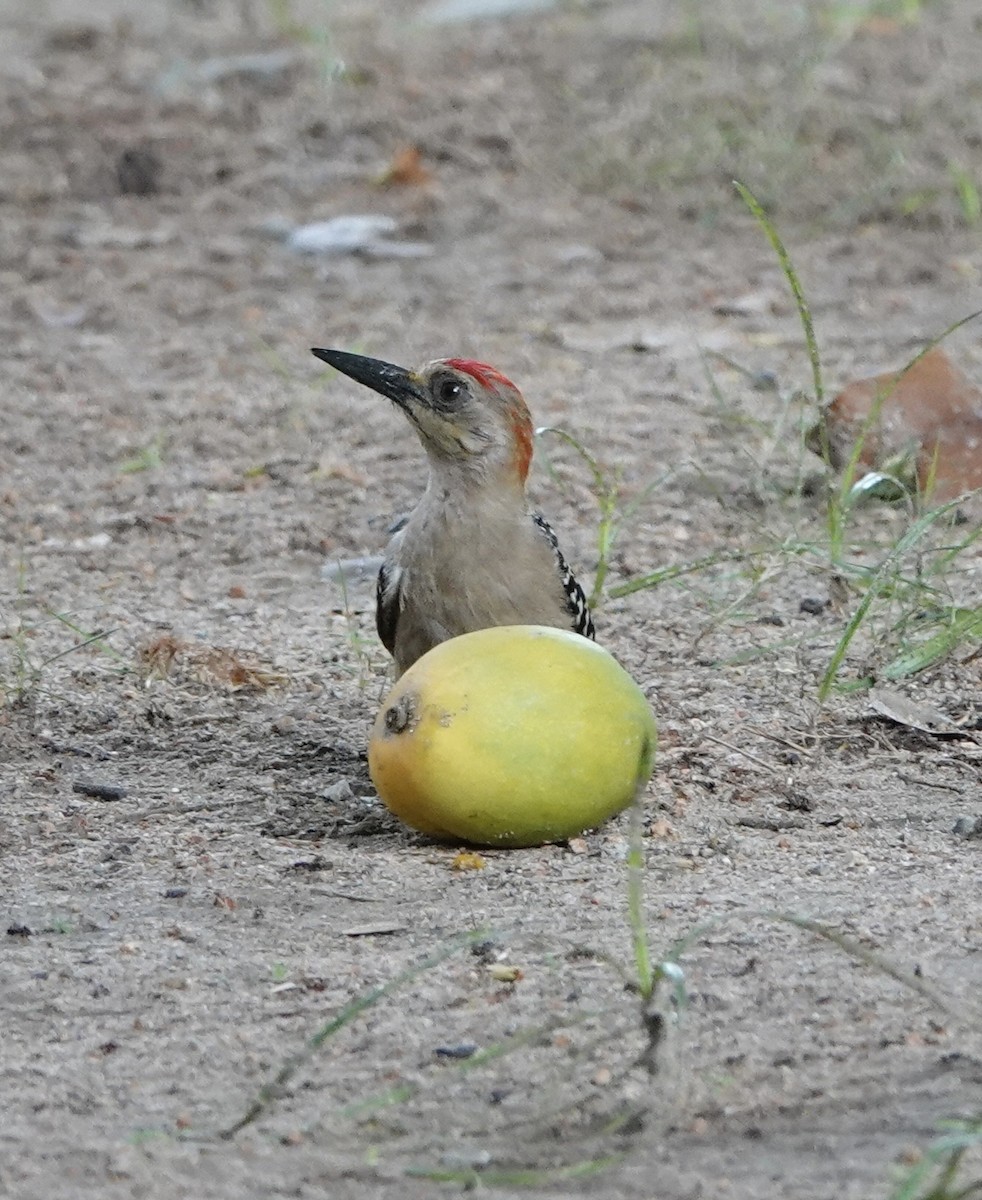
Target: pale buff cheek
[[472, 443], [452, 440], [437, 434], [466, 439]]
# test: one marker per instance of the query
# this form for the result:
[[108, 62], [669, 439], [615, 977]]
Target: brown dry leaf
[[159, 655], [168, 655], [468, 860], [225, 666], [407, 170], [932, 411]]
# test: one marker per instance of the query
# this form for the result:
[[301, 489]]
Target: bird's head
[[467, 414]]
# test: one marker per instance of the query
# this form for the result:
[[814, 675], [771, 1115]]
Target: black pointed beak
[[391, 381]]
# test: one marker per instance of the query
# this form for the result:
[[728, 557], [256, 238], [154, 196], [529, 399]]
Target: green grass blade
[[942, 1160], [829, 933], [962, 624], [646, 977], [880, 579], [947, 557], [398, 1094], [676, 571], [98, 638], [269, 1092], [787, 266], [966, 189], [916, 983], [605, 492]]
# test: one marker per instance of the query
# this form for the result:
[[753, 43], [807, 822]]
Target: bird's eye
[[449, 393]]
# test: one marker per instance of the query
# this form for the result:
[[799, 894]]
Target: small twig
[[746, 753], [100, 635], [771, 824], [944, 787], [349, 896], [776, 737]]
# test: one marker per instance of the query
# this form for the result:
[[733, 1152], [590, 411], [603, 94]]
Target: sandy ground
[[175, 470]]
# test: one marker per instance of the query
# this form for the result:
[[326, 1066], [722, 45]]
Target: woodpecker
[[472, 553]]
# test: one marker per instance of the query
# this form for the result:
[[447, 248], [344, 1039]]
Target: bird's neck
[[470, 488]]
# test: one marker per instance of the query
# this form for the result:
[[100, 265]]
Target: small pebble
[[487, 950], [461, 1050], [99, 791], [968, 827], [138, 171]]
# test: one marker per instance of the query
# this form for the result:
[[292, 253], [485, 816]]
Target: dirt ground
[[176, 469]]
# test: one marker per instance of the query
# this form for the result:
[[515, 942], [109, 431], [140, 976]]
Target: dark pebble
[[99, 791], [813, 605], [463, 1050], [138, 172], [968, 827], [317, 863], [486, 950]]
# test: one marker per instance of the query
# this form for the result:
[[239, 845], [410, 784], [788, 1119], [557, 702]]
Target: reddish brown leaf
[[932, 410], [407, 170]]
